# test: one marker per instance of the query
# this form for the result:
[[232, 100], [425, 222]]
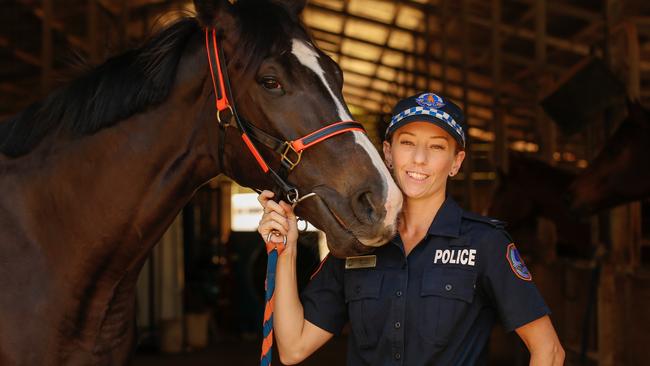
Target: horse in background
[[93, 175], [621, 171], [533, 189]]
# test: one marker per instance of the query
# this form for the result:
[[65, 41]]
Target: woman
[[432, 294]]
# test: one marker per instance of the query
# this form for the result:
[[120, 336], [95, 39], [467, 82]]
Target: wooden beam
[[23, 56], [519, 32], [513, 89], [55, 25]]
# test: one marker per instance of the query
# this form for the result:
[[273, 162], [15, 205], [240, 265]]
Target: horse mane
[[140, 78], [120, 87]]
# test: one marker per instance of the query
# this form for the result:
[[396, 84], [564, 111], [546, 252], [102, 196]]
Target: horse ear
[[214, 13], [294, 6]]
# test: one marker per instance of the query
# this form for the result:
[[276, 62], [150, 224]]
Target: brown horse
[[93, 175], [621, 172], [534, 189]]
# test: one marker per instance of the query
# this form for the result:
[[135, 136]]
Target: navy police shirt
[[435, 306]]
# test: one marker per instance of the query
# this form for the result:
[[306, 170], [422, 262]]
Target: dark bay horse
[[534, 189], [621, 171], [93, 175]]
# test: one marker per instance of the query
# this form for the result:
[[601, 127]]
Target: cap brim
[[425, 118]]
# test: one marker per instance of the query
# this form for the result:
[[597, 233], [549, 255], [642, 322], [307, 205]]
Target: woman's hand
[[279, 220]]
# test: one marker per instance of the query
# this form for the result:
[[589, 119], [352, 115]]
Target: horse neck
[[93, 207]]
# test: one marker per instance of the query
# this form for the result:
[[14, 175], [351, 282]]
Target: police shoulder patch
[[517, 263]]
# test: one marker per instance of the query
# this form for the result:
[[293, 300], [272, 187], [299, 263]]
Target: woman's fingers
[[291, 221], [272, 206], [279, 218], [268, 225], [265, 196]]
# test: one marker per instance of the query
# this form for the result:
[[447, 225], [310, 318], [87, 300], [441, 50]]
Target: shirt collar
[[447, 220]]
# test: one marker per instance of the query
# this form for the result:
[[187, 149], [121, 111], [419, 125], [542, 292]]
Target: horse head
[[617, 174], [285, 88]]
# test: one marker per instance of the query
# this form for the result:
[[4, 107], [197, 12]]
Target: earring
[[389, 165], [451, 174]]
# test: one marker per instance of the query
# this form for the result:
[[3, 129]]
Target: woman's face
[[423, 156]]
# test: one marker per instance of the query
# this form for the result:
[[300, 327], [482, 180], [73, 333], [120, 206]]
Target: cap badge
[[430, 100]]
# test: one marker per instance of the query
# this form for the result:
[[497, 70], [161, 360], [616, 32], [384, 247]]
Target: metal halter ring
[[293, 196], [304, 229], [219, 115], [275, 232]]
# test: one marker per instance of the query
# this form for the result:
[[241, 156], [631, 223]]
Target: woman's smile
[[417, 176]]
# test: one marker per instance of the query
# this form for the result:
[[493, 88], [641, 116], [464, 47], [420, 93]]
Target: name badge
[[362, 261]]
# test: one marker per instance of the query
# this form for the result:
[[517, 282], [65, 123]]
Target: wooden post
[[468, 166], [547, 130], [500, 147], [624, 222], [46, 47], [444, 14]]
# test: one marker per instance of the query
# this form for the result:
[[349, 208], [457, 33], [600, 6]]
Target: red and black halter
[[289, 151]]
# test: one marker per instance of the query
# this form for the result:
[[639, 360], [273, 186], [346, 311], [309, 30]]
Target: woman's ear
[[388, 155], [458, 162]]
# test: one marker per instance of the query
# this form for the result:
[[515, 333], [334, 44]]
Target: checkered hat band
[[441, 115]]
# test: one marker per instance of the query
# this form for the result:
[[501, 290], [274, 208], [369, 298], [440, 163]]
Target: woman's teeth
[[417, 176]]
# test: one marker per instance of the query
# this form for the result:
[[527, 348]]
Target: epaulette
[[498, 224]]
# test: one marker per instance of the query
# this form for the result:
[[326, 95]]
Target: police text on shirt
[[455, 256]]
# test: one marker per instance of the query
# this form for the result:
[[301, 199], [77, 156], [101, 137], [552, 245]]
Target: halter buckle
[[287, 159]]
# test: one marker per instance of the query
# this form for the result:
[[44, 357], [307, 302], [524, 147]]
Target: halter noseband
[[290, 151]]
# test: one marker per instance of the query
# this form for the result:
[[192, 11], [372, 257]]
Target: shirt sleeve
[[323, 299], [510, 284]]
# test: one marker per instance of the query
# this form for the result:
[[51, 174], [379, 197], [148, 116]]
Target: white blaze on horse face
[[307, 55]]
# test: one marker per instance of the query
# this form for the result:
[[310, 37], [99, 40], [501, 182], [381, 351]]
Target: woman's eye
[[271, 83], [406, 142], [437, 147]]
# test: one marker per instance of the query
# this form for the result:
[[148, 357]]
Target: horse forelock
[[263, 31]]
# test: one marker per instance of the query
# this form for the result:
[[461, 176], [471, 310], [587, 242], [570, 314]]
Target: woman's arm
[[296, 337], [542, 342]]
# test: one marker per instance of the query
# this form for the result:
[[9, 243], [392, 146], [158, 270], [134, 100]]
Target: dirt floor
[[240, 353]]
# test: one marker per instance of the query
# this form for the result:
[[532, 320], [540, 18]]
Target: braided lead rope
[[273, 250]]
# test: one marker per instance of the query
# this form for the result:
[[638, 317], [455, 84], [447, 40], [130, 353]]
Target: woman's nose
[[420, 155]]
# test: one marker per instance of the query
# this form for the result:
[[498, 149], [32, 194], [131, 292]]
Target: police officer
[[432, 294]]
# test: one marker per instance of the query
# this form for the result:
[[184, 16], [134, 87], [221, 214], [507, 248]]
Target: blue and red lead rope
[[273, 250]]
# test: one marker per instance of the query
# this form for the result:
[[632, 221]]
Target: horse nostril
[[365, 208]]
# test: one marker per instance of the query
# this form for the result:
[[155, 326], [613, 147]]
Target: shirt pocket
[[446, 295], [362, 296]]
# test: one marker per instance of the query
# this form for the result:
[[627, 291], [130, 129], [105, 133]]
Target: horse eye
[[270, 83]]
